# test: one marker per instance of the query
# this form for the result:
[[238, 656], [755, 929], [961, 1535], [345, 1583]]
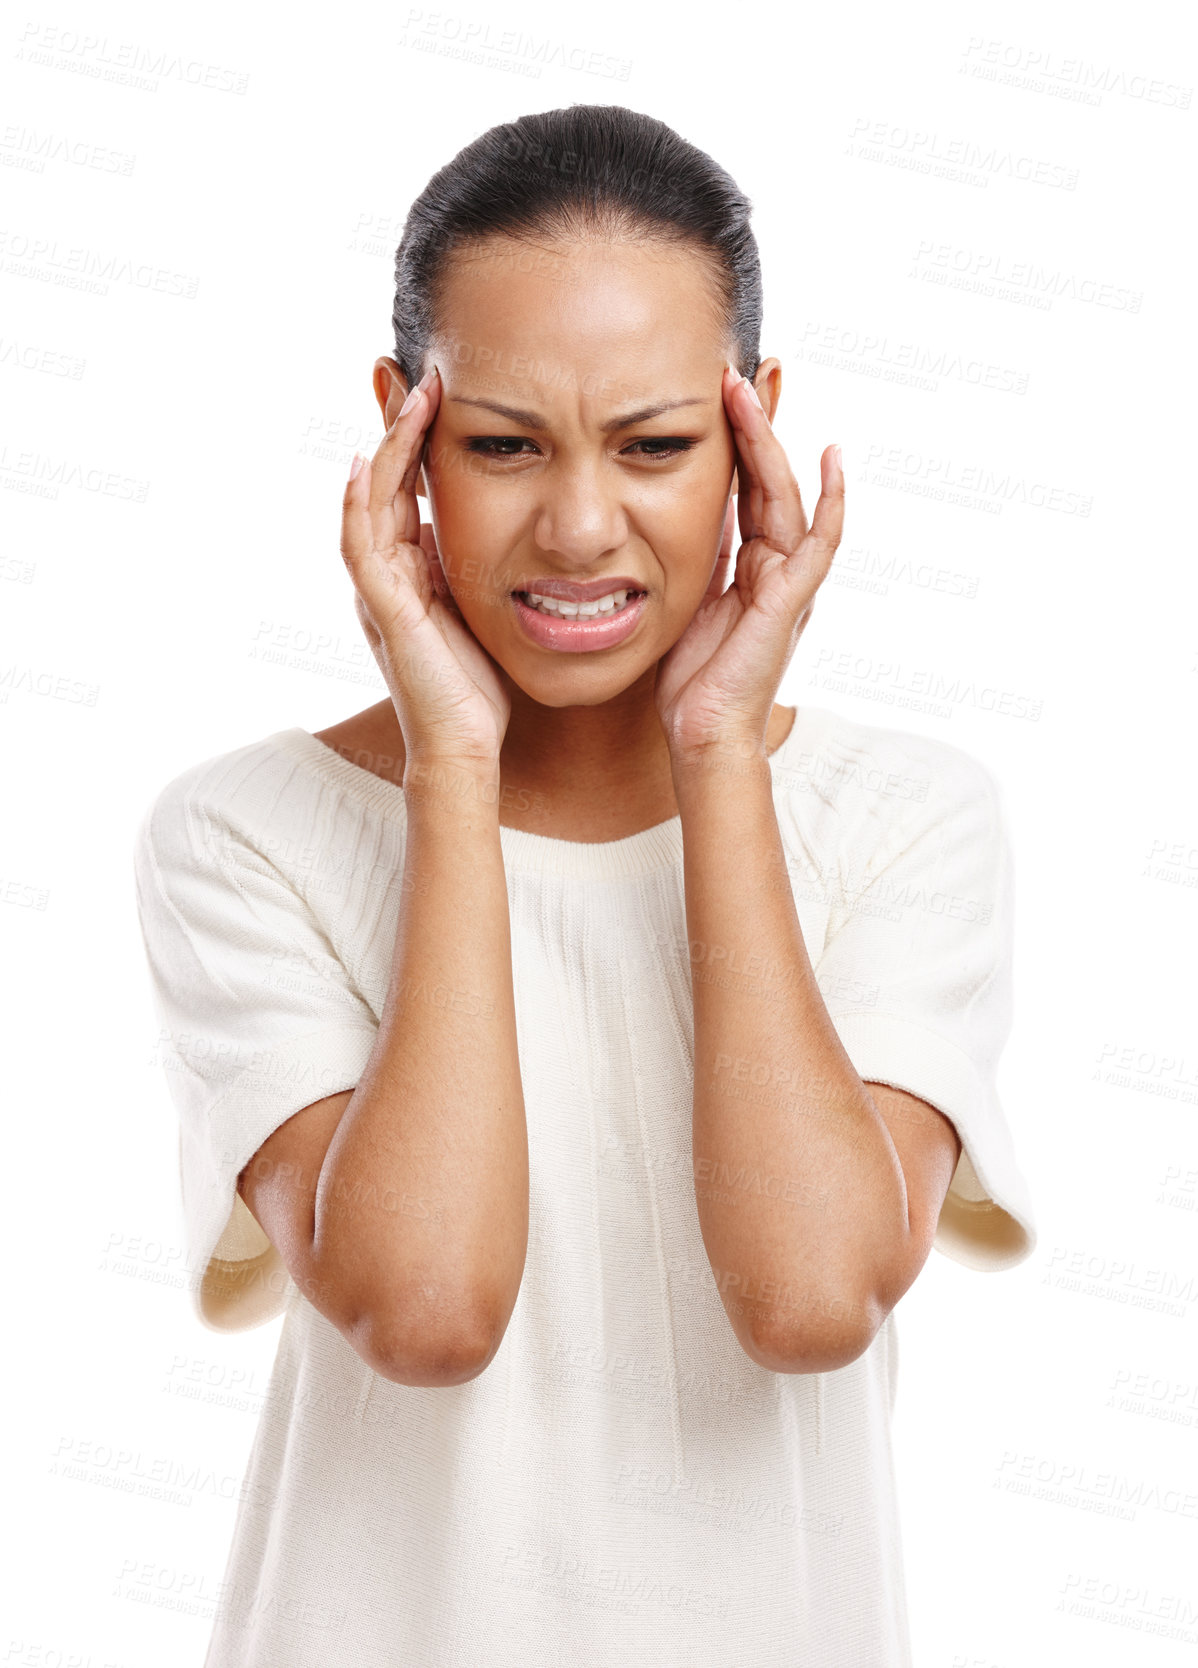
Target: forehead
[[642, 312]]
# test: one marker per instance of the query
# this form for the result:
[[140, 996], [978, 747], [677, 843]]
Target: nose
[[580, 518]]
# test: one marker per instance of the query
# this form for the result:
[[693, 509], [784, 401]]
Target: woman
[[581, 1050]]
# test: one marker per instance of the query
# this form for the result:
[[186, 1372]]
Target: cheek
[[693, 521], [690, 497], [455, 487], [470, 529]]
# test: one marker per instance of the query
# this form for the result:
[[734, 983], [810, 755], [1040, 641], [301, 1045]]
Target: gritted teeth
[[561, 609], [629, 590]]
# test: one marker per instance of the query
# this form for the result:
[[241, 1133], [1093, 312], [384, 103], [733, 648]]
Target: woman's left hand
[[716, 686]]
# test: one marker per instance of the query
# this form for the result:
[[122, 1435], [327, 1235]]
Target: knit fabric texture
[[622, 1483]]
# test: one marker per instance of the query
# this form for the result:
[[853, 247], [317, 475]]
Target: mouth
[[560, 608], [571, 627]]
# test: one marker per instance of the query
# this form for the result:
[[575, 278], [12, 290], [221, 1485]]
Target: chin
[[572, 680]]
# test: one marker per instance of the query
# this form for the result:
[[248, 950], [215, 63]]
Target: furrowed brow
[[534, 420]]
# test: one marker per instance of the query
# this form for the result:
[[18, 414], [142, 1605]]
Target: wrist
[[726, 755], [433, 779]]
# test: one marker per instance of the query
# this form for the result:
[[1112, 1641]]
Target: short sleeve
[[922, 952], [258, 1018]]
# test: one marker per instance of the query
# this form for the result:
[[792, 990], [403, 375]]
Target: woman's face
[[568, 482]]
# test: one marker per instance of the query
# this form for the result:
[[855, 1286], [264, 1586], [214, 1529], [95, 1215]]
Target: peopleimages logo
[[79, 268], [910, 363], [1037, 70], [889, 681], [954, 157], [128, 63], [474, 39], [990, 273], [941, 476]]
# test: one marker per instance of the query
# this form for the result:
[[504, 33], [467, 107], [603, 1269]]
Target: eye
[[674, 446], [487, 445], [509, 446]]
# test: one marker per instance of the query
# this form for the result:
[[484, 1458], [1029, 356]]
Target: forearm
[[801, 1198], [422, 1203]]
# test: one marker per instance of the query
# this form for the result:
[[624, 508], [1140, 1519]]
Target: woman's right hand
[[450, 702]]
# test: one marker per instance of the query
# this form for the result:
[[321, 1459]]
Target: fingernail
[[413, 396], [752, 393], [356, 465], [836, 453]]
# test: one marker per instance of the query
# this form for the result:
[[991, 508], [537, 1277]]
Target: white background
[[975, 226]]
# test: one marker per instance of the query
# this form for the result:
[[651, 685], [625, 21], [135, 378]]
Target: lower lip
[[601, 631]]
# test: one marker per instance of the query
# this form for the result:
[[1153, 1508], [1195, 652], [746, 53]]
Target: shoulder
[[251, 796], [865, 786], [849, 758]]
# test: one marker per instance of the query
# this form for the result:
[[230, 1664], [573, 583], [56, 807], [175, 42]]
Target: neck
[[615, 748]]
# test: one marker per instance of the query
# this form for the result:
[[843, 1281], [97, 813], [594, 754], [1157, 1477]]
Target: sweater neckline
[[657, 847]]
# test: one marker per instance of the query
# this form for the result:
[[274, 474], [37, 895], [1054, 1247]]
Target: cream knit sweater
[[622, 1483]]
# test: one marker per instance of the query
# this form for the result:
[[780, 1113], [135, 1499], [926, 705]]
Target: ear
[[391, 390], [768, 384]]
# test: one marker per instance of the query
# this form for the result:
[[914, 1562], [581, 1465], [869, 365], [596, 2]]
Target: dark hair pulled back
[[571, 172]]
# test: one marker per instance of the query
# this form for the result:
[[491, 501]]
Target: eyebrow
[[533, 420]]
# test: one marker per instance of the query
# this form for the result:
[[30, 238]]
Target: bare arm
[[817, 1197], [401, 1209], [438, 1115], [811, 1260], [413, 1234]]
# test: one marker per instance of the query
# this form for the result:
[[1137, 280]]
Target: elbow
[[840, 1336], [831, 1329], [418, 1327], [433, 1345], [429, 1361]]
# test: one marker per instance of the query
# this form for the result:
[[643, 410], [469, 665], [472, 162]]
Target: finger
[[397, 463], [772, 508], [375, 566], [374, 569], [827, 524], [357, 532], [814, 558], [408, 523]]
